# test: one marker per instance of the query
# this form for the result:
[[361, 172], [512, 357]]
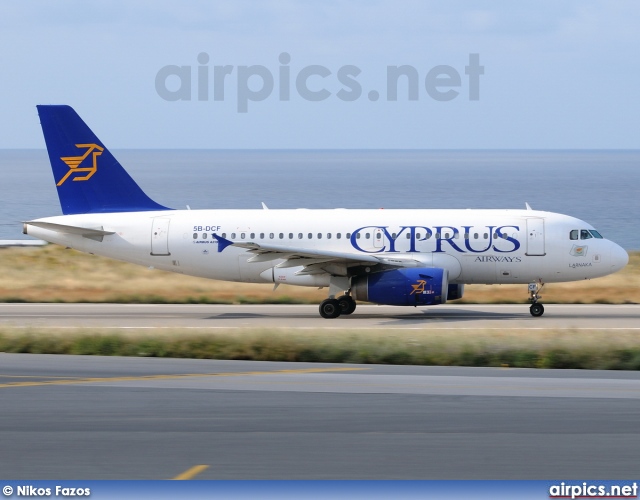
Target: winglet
[[222, 242]]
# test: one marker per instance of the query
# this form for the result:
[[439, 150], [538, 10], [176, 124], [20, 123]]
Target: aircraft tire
[[536, 310], [330, 308], [347, 304]]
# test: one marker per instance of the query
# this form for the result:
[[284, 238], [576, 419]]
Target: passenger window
[[319, 236], [348, 236], [299, 236], [358, 236], [253, 236], [290, 236], [281, 235], [475, 236], [438, 235], [418, 236], [466, 236], [242, 236], [408, 235], [338, 235], [446, 236], [195, 236], [585, 235], [328, 236], [378, 236], [262, 236], [224, 235], [486, 235], [368, 235], [233, 236], [310, 236], [573, 235], [271, 235]]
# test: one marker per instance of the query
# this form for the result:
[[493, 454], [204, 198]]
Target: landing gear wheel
[[536, 310], [330, 309], [347, 304]]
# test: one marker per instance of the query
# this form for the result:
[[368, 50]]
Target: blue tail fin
[[89, 179]]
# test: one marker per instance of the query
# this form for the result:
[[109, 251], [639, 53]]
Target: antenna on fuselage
[[527, 205]]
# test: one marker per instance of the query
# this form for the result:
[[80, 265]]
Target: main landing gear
[[536, 308], [332, 308]]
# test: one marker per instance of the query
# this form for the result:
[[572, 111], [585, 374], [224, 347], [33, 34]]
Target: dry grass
[[53, 274]]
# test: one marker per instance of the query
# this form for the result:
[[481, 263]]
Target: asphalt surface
[[450, 316], [77, 417]]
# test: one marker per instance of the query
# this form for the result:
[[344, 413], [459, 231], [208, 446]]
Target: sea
[[601, 187]]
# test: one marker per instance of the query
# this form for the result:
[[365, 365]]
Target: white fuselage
[[475, 246]]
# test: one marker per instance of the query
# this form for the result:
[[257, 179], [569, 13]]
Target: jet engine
[[403, 287]]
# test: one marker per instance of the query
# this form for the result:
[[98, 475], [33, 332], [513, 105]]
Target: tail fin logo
[[74, 163]]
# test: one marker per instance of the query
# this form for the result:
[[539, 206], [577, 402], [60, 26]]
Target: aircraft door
[[160, 236], [535, 236]]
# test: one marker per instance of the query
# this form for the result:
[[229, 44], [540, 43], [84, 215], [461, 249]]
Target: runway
[[450, 316], [77, 417]]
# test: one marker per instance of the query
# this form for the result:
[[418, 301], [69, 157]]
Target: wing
[[313, 261]]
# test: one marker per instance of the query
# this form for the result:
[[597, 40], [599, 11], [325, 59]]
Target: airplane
[[395, 257]]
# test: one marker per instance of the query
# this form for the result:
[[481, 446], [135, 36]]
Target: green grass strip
[[596, 350]]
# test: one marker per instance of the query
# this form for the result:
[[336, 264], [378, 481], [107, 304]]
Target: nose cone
[[619, 257]]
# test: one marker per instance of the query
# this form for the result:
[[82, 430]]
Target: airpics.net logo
[[590, 490], [258, 83]]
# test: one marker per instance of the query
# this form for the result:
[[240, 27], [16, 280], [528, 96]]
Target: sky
[[319, 75]]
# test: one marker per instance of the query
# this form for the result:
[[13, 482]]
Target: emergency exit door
[[160, 236]]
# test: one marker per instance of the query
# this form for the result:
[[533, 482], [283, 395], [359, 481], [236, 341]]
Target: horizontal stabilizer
[[93, 233]]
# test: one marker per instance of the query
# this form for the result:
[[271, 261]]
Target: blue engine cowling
[[403, 287]]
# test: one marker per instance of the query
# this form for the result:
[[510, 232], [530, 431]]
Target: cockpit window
[[573, 235], [596, 234], [585, 235]]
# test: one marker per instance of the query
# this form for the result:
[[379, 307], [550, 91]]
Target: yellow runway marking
[[191, 473], [90, 380], [36, 376]]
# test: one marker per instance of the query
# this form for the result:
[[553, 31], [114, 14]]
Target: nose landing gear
[[536, 308]]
